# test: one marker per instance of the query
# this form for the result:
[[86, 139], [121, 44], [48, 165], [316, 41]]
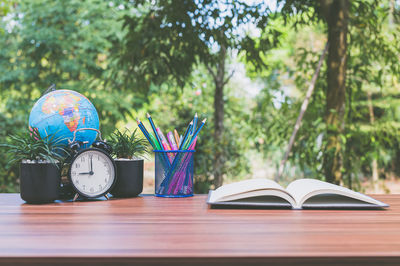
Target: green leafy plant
[[30, 146], [128, 145]]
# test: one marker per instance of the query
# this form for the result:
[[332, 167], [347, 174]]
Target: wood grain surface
[[159, 231]]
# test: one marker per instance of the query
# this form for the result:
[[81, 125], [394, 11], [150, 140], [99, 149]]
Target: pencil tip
[[148, 115], [205, 119], [195, 115], [138, 121], [191, 122]]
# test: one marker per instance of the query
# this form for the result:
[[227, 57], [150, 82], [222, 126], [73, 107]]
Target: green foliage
[[372, 69], [129, 57], [128, 145], [66, 43], [166, 40], [30, 146]]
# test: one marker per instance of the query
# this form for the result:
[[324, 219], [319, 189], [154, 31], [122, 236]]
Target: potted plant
[[40, 160], [128, 151]]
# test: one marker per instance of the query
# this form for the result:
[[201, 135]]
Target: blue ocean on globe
[[61, 112]]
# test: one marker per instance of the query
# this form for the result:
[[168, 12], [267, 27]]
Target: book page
[[242, 187], [265, 197], [303, 189], [333, 201]]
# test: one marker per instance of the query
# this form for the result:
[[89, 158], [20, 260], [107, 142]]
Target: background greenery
[[243, 65]]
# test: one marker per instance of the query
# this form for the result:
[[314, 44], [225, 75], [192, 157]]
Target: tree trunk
[[336, 15], [219, 160], [219, 81]]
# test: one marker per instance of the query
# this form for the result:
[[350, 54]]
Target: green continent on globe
[[65, 105]]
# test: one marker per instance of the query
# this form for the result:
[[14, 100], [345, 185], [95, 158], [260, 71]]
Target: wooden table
[[158, 231]]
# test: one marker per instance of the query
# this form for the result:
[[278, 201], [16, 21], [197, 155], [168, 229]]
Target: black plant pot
[[39, 182], [129, 178]]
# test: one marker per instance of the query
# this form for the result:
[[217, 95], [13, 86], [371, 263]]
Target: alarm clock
[[92, 171]]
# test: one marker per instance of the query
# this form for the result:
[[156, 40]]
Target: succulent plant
[[31, 146], [128, 145]]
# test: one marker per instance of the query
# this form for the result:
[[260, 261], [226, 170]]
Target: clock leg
[[76, 197], [106, 196]]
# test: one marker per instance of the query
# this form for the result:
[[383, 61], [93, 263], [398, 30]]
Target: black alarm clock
[[92, 171]]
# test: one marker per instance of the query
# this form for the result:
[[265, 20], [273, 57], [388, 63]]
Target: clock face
[[92, 173]]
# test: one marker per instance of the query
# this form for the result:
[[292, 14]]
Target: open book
[[302, 193]]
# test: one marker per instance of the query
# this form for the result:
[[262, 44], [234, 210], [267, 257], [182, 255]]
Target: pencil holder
[[174, 173]]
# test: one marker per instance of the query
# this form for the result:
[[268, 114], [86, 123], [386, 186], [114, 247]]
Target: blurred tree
[[66, 43], [63, 43], [346, 134], [336, 15], [166, 39]]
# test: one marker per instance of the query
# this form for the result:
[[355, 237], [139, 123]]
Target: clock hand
[[88, 173], [91, 165]]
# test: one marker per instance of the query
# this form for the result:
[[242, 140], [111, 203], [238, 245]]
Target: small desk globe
[[61, 112]]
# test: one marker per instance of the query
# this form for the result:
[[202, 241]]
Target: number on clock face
[[92, 173]]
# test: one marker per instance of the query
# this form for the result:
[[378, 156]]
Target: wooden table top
[[153, 230]]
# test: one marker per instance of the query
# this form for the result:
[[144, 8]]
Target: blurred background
[[244, 65]]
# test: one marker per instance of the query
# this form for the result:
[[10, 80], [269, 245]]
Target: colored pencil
[[155, 141], [158, 139], [186, 135], [154, 130], [188, 141], [177, 177], [171, 140], [178, 156], [198, 130], [165, 144], [164, 141], [177, 141], [145, 132]]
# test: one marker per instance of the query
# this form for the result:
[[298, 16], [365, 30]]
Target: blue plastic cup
[[174, 173]]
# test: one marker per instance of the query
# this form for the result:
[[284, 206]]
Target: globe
[[59, 113]]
